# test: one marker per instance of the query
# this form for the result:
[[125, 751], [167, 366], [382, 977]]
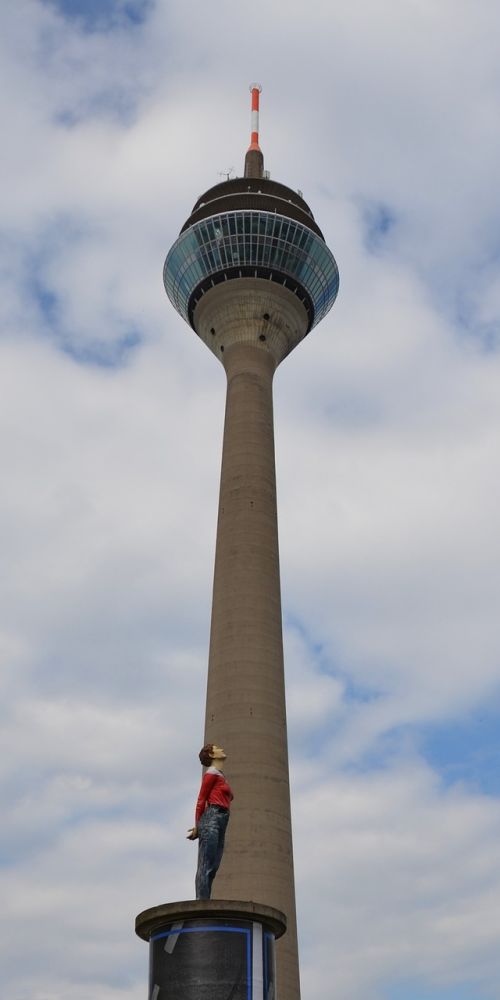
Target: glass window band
[[247, 242]]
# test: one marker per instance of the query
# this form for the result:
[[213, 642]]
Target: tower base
[[211, 949]]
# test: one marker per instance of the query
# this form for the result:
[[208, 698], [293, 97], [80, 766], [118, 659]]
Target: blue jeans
[[211, 832]]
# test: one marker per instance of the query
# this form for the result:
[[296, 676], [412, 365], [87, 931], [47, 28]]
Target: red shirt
[[214, 791]]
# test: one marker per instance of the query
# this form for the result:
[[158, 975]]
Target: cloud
[[387, 444], [403, 875]]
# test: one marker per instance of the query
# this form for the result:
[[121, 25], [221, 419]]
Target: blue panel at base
[[269, 971], [211, 962]]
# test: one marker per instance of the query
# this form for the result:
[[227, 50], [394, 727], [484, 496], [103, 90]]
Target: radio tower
[[251, 274]]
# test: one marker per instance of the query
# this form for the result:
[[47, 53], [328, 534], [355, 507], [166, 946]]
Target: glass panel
[[263, 239]]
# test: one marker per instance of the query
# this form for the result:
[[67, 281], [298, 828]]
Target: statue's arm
[[201, 804]]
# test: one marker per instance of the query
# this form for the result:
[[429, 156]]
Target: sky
[[117, 114]]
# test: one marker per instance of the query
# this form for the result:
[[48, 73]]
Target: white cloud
[[397, 879], [387, 441]]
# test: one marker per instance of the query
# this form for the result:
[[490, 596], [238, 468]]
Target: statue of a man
[[211, 818]]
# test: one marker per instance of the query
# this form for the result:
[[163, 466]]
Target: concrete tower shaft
[[246, 690]]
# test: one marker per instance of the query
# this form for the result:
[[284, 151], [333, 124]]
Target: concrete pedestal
[[211, 950]]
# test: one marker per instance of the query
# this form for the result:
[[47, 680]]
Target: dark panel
[[202, 962], [246, 184], [234, 202], [269, 966]]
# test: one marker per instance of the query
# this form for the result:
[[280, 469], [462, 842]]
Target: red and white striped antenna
[[255, 90], [254, 160]]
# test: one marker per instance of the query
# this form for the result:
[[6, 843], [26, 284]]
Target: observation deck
[[251, 228]]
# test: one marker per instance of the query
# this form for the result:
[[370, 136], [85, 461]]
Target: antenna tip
[[255, 86]]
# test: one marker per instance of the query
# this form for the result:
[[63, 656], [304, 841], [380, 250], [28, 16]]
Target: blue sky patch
[[103, 15], [95, 353], [467, 750], [116, 104], [103, 354], [378, 221]]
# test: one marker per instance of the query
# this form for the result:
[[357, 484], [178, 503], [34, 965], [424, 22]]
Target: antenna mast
[[254, 160]]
